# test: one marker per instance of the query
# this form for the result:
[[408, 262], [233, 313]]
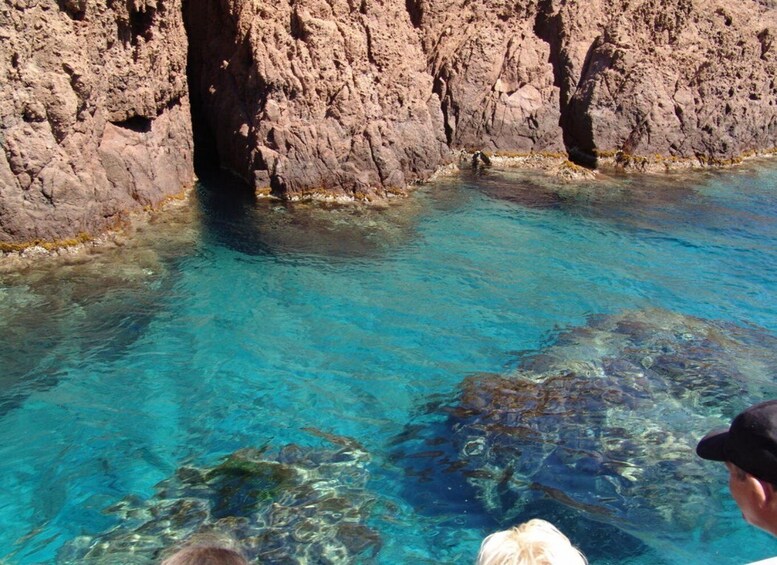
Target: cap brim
[[713, 445]]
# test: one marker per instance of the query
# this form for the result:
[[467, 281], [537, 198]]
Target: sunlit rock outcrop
[[316, 96], [94, 114], [684, 79], [360, 99]]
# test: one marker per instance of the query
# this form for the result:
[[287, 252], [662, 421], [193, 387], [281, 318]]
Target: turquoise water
[[235, 323]]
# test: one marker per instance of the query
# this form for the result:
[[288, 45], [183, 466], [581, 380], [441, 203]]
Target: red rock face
[[94, 113], [315, 95], [685, 78], [493, 72], [358, 98]]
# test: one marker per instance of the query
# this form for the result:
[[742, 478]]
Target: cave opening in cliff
[[206, 157]]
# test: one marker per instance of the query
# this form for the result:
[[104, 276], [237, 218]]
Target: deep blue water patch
[[244, 322]]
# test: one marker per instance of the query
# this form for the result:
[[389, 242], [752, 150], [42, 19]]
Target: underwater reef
[[604, 421], [296, 505]]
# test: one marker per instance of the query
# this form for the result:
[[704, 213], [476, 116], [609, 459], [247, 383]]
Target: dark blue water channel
[[233, 322]]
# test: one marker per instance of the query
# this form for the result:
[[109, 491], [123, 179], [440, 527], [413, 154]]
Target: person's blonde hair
[[535, 542]]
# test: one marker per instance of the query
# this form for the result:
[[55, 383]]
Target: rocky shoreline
[[105, 105], [15, 256]]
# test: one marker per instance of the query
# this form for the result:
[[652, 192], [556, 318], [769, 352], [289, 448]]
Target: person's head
[[205, 555], [749, 450], [535, 542]]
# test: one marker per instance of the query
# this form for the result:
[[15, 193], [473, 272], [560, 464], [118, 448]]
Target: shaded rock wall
[[94, 113]]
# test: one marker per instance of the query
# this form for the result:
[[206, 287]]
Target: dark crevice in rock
[[222, 80], [123, 32], [765, 39], [439, 89], [576, 122], [141, 24], [132, 23], [277, 185], [76, 9], [172, 103], [138, 124], [415, 10], [206, 157], [548, 27], [296, 26], [370, 52]]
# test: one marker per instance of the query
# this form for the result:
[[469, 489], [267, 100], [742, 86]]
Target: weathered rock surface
[[604, 421], [681, 79], [360, 99], [493, 73], [316, 95], [94, 113]]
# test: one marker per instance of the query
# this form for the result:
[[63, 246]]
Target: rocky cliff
[[359, 98], [679, 79], [316, 95], [94, 113]]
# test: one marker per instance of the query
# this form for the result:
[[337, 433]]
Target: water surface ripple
[[238, 323]]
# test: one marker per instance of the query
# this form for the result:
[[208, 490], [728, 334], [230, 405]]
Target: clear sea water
[[232, 322]]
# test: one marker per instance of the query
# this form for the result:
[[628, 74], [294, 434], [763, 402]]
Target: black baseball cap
[[750, 443]]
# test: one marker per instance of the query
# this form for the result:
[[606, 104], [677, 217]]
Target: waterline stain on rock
[[359, 101]]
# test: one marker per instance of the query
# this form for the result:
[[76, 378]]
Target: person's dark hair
[[205, 555], [741, 475]]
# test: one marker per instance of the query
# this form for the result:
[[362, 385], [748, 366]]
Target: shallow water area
[[240, 323]]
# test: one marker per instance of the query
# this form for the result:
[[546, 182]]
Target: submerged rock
[[89, 303], [301, 505], [605, 421]]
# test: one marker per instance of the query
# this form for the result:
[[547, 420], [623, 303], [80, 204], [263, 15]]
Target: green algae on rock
[[299, 505], [604, 421]]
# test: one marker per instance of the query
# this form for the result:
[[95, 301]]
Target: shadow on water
[[630, 201], [605, 196], [85, 310], [83, 319], [52, 333], [233, 217]]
